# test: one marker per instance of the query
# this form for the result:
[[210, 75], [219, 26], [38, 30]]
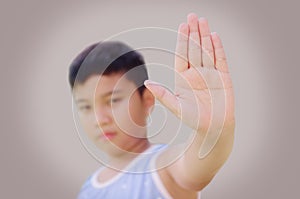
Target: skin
[[203, 99], [111, 105]]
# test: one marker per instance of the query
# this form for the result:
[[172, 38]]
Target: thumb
[[167, 98]]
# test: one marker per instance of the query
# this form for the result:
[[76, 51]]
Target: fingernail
[[149, 82]]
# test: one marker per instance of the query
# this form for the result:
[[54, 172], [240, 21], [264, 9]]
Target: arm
[[203, 99]]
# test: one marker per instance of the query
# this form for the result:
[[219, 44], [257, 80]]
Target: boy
[[114, 99]]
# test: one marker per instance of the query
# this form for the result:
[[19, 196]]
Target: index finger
[[181, 52]]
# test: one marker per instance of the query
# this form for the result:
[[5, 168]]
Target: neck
[[122, 159]]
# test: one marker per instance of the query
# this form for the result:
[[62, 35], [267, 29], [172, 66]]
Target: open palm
[[203, 96]]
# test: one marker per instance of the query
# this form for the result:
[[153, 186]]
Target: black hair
[[106, 58]]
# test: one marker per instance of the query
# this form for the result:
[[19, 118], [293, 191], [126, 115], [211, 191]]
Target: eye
[[85, 108], [115, 100]]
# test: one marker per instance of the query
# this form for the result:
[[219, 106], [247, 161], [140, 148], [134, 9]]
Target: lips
[[108, 135]]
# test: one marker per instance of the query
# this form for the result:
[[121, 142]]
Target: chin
[[111, 149]]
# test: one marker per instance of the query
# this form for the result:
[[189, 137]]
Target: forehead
[[101, 85]]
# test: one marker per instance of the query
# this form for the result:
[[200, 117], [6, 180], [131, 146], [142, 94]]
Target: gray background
[[41, 155]]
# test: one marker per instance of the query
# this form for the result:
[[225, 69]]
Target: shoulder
[[91, 179]]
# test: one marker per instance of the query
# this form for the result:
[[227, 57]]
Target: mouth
[[107, 135]]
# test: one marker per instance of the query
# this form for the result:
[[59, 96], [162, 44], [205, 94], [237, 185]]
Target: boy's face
[[112, 111]]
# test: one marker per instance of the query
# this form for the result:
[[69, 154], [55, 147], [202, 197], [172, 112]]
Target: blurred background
[[41, 153]]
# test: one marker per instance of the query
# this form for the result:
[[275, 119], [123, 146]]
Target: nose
[[103, 117]]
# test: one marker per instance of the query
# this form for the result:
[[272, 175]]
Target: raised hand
[[203, 96]]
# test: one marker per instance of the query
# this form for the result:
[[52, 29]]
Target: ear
[[148, 101]]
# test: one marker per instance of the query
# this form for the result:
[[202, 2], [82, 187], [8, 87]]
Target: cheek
[[88, 125], [129, 115], [84, 121], [120, 114], [137, 114]]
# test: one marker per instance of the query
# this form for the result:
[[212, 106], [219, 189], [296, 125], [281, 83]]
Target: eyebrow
[[103, 96]]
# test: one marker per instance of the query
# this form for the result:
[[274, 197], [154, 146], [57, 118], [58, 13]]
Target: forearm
[[196, 173]]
